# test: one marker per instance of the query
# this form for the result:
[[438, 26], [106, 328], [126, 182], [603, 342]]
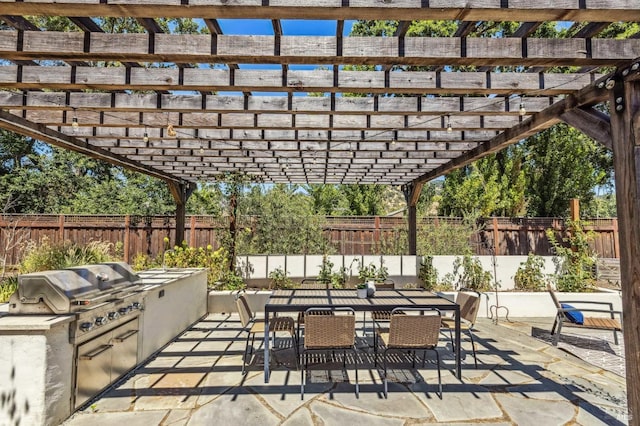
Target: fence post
[[616, 240], [127, 237], [496, 243], [61, 227], [192, 232]]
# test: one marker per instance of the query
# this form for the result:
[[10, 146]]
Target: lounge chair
[[568, 315]]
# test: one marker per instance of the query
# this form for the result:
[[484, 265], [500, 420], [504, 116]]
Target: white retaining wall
[[402, 269]]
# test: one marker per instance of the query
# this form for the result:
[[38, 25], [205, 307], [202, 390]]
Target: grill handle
[[125, 336], [96, 352]]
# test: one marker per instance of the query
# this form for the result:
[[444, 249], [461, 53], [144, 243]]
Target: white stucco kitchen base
[[35, 369], [37, 359]]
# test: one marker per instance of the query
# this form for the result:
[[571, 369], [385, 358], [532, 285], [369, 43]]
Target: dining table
[[299, 300]]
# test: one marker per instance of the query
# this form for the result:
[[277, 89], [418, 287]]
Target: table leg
[[266, 346], [457, 351]]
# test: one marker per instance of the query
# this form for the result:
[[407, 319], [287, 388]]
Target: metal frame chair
[[254, 326], [328, 329], [469, 301], [409, 332], [593, 323]]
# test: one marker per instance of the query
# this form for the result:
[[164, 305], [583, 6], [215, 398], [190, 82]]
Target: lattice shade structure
[[161, 108]]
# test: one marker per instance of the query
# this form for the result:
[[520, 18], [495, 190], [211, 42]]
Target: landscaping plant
[[469, 273], [279, 279], [529, 276], [575, 259]]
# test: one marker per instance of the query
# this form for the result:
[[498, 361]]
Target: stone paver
[[520, 379]]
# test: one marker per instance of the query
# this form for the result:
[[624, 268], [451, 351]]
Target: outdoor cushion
[[575, 317]]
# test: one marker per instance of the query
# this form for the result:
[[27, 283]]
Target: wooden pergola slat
[[408, 10], [417, 51]]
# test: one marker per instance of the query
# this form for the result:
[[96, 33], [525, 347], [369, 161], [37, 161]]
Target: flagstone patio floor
[[520, 379]]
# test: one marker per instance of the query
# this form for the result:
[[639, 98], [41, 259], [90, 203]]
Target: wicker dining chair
[[310, 284], [253, 326], [377, 316], [469, 301], [409, 332], [328, 330]]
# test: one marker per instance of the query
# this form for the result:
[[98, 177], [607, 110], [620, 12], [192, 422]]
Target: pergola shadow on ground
[[197, 379]]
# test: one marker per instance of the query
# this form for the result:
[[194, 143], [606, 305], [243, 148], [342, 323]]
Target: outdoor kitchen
[[71, 333]]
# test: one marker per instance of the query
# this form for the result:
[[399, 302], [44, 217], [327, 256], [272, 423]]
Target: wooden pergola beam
[[292, 81], [469, 10], [591, 122], [417, 51], [161, 107]]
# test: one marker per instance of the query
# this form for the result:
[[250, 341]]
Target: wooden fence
[[349, 235]]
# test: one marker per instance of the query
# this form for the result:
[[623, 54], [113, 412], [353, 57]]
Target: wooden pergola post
[[625, 126], [181, 193], [411, 195]]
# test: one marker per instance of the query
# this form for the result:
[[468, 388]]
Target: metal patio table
[[299, 300]]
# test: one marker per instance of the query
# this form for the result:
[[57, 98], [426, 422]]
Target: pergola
[[155, 102]]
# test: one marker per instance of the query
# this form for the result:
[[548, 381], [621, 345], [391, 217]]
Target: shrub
[[371, 272], [470, 274], [575, 260], [428, 273], [46, 256], [280, 279], [529, 276], [8, 286], [202, 257]]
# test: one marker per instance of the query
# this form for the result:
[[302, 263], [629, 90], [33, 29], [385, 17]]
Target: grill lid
[[63, 291]]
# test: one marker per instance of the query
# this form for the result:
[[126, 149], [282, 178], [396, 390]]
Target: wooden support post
[[411, 195], [127, 237], [625, 125], [181, 193]]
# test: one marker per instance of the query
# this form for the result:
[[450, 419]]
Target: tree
[[494, 185], [363, 200], [561, 164], [327, 199], [285, 222]]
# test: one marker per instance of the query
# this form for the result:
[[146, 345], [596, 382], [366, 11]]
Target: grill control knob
[[113, 315], [101, 321], [86, 326], [122, 311], [137, 305]]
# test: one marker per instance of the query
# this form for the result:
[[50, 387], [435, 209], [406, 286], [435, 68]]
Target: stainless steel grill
[[106, 301]]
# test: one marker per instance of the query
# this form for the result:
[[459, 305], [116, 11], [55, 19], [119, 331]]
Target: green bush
[[218, 274], [46, 256], [575, 260], [280, 279], [529, 276], [8, 286], [371, 272], [428, 273], [470, 274]]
